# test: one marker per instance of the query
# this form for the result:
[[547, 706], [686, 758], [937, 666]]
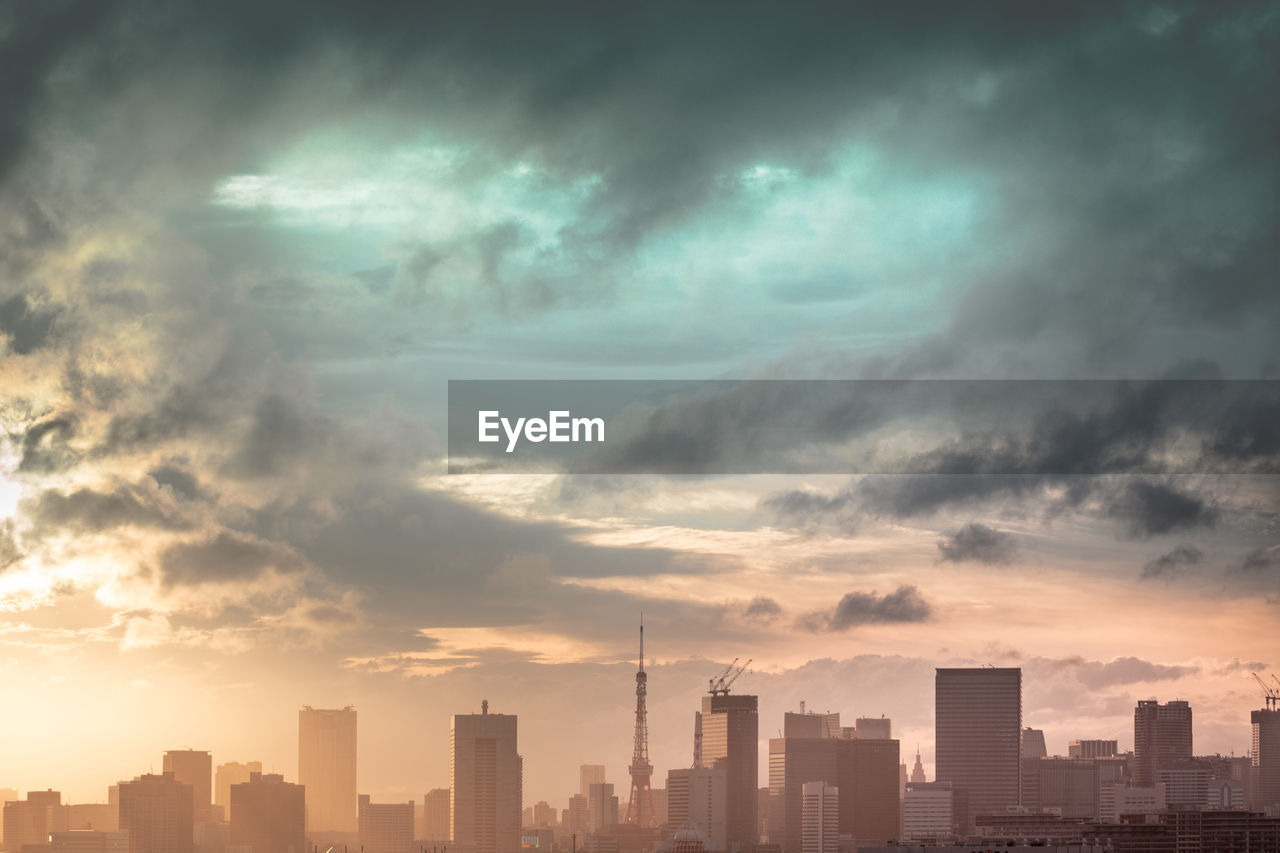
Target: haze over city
[[244, 247]]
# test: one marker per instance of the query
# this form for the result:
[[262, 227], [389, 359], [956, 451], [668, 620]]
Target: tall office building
[[575, 817], [602, 807], [868, 775], [269, 814], [978, 734], [811, 724], [1033, 743], [699, 795], [486, 782], [588, 775], [157, 812], [327, 767], [1161, 735], [226, 775], [435, 806], [1265, 755], [794, 762], [730, 732], [193, 767], [820, 818], [385, 827]]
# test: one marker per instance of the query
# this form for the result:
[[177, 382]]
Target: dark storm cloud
[[903, 605], [226, 557], [10, 553], [178, 479], [1152, 509], [1173, 562], [88, 511], [978, 543]]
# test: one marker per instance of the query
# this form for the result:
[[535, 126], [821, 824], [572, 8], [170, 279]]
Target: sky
[[245, 246]]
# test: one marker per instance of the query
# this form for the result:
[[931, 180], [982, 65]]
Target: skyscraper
[[730, 741], [226, 775], [1161, 735], [487, 782], [699, 795], [157, 813], [193, 767], [602, 807], [327, 767], [1265, 754], [1092, 749], [978, 728], [917, 772], [820, 818], [269, 814], [868, 778]]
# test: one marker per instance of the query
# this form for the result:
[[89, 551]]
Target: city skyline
[[616, 772], [246, 247]]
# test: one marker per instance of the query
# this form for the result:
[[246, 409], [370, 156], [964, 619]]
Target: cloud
[[763, 607], [978, 543], [1260, 561], [1152, 509], [27, 326], [1127, 670], [86, 511], [903, 605], [226, 558], [1172, 563]]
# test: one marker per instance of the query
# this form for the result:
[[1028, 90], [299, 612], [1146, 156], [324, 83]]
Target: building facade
[[327, 767], [978, 738], [270, 814], [487, 784], [730, 742]]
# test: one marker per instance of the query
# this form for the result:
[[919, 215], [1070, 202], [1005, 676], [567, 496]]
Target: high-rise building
[[1185, 783], [544, 815], [575, 817], [31, 820], [487, 782], [926, 812], [1066, 784], [978, 725], [158, 813], [1033, 743], [193, 767], [730, 741], [385, 827], [820, 818], [1265, 755], [699, 795], [327, 767], [226, 775], [269, 814], [1161, 734], [867, 776], [1091, 749], [794, 762], [588, 775], [602, 807]]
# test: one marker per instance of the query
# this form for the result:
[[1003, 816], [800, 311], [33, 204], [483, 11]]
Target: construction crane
[[1272, 694], [719, 686]]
